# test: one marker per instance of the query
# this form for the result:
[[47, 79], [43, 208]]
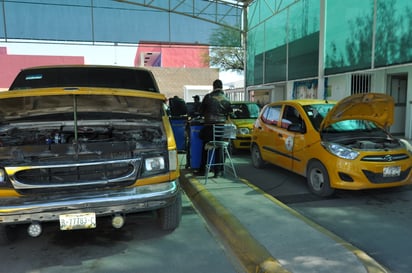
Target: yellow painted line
[[368, 262], [254, 257]]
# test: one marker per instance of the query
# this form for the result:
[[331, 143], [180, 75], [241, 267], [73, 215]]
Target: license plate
[[77, 221], [391, 171]]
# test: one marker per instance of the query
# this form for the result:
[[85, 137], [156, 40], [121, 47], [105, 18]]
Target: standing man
[[177, 106], [215, 108], [196, 106]]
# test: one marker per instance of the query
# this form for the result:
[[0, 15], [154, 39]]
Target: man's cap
[[196, 96]]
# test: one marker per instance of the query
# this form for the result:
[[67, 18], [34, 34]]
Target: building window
[[361, 83]]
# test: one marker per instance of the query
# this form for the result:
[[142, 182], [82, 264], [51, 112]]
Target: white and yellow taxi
[[243, 116], [335, 145]]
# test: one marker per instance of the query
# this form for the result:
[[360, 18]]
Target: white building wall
[[339, 87], [191, 90]]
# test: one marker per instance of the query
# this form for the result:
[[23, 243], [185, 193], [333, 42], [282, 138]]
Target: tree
[[226, 51], [393, 38]]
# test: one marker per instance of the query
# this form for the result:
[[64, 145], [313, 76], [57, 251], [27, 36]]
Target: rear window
[[105, 77]]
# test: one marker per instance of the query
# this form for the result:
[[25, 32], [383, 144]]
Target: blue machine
[[195, 144], [178, 127]]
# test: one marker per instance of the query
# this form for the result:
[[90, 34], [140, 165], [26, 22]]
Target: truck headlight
[[154, 163], [243, 131], [2, 176], [173, 160], [340, 151]]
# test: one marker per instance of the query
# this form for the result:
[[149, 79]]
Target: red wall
[[172, 55], [10, 65], [175, 55]]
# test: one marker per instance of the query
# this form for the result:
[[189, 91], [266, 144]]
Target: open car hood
[[375, 107]]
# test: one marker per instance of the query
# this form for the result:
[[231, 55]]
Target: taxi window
[[290, 116], [271, 115], [253, 110]]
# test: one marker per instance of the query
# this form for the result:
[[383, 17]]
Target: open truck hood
[[25, 104]]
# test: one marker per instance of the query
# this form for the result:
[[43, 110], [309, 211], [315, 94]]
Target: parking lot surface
[[139, 247]]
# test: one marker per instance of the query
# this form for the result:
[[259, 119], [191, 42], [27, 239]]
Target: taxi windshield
[[245, 110], [317, 112], [352, 126]]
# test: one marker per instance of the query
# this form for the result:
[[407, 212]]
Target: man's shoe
[[200, 172], [218, 174]]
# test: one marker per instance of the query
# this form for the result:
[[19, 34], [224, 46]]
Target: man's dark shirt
[[215, 107], [177, 107]]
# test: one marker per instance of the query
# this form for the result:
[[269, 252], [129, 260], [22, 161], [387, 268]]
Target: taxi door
[[268, 127], [290, 139]]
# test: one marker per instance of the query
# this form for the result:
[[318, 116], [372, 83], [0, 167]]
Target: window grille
[[361, 83]]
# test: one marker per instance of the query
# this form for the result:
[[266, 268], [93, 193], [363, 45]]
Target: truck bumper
[[143, 198]]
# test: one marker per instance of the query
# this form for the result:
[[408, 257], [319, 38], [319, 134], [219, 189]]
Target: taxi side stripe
[[280, 153]]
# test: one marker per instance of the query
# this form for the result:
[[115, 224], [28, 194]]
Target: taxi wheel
[[257, 160], [318, 179], [232, 149]]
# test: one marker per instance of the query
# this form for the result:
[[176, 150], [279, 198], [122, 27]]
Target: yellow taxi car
[[335, 145], [243, 116]]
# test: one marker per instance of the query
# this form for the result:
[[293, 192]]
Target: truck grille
[[70, 175]]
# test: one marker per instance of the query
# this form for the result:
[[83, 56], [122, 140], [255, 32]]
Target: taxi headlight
[[340, 151], [154, 163], [406, 144], [243, 131]]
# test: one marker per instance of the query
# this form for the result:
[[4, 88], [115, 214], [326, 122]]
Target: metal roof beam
[[222, 9]]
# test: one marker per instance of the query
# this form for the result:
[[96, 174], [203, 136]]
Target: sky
[[99, 54]]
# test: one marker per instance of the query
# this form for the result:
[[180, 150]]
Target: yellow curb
[[253, 256], [368, 262]]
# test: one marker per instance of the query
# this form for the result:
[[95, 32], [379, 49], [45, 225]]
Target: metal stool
[[222, 133]]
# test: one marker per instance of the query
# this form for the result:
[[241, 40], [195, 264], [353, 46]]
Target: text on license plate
[[77, 221], [391, 171]]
